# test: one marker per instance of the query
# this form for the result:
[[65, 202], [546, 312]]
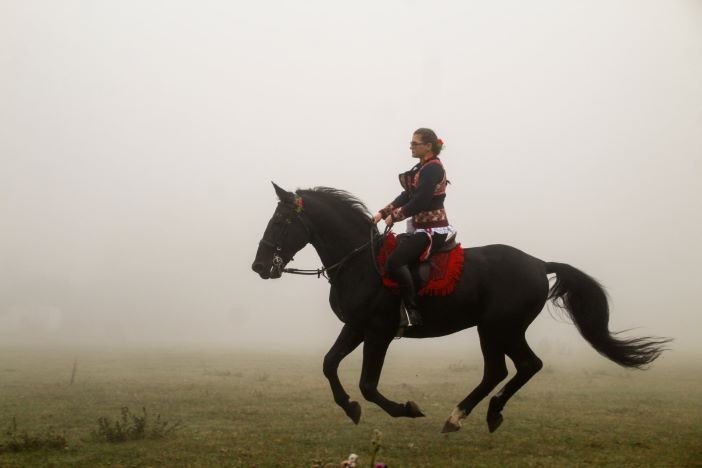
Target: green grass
[[246, 409]]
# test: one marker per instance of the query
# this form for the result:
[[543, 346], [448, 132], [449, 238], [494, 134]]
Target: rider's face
[[419, 149]]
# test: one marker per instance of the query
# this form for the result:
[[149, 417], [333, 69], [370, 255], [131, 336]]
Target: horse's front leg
[[374, 350], [346, 342]]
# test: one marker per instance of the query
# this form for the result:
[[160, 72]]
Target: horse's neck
[[334, 242]]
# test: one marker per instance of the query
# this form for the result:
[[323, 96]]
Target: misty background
[[138, 140]]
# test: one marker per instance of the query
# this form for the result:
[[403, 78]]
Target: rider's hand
[[388, 221], [377, 217]]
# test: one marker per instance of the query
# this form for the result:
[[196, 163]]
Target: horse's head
[[285, 235]]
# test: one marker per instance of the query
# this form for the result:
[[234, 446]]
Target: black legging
[[409, 247]]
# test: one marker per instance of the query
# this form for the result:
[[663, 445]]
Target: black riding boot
[[409, 314]]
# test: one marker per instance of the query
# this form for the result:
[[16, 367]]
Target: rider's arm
[[420, 200], [399, 201]]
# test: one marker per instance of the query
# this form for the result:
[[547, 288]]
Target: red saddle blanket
[[445, 269]]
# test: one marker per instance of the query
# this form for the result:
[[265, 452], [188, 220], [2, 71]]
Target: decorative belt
[[433, 218]]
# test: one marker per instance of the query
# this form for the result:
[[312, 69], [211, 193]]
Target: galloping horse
[[501, 291]]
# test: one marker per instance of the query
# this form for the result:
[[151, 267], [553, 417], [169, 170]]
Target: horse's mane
[[340, 200]]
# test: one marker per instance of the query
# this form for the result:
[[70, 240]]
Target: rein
[[319, 272]]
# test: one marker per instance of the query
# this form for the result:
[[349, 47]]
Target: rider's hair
[[428, 136]]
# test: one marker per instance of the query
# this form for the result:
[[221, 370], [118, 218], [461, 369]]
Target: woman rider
[[422, 201]]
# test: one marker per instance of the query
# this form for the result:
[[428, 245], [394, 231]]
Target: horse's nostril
[[257, 267]]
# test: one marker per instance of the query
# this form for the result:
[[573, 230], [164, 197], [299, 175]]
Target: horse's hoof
[[353, 411], [494, 420], [413, 410], [450, 427]]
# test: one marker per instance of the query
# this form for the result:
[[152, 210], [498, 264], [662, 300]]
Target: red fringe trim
[[442, 283], [383, 254], [446, 285]]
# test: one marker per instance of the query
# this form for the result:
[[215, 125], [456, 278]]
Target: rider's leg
[[407, 251], [410, 315]]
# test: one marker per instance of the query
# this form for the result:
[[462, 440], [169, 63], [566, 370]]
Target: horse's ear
[[283, 195]]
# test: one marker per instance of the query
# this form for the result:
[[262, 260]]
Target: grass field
[[247, 409]]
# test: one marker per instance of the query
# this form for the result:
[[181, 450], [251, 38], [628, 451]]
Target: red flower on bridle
[[299, 204]]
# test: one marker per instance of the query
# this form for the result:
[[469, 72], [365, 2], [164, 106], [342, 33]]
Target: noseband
[[279, 263]]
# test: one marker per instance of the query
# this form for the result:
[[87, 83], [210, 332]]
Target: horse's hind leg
[[494, 372], [348, 340], [374, 349], [527, 365]]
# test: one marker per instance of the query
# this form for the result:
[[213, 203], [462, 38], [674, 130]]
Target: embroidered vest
[[410, 179]]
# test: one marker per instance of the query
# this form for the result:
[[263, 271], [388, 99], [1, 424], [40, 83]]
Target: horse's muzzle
[[260, 268], [273, 272]]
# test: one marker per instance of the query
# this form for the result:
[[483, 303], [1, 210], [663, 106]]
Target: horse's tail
[[585, 301]]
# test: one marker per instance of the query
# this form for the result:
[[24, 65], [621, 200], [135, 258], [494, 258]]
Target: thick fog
[[138, 140]]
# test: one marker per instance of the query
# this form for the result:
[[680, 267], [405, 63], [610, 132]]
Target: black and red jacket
[[423, 196]]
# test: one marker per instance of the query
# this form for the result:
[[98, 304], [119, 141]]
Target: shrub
[[25, 442], [133, 427]]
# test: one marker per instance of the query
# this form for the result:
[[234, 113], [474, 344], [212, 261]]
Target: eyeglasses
[[414, 144]]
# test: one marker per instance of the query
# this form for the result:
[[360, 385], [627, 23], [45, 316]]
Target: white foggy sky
[[138, 140]]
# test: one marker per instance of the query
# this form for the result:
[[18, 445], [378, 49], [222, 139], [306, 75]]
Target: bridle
[[279, 263]]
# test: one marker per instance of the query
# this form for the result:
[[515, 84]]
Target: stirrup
[[404, 317], [406, 320], [407, 317]]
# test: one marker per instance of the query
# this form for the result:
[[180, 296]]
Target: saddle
[[436, 276]]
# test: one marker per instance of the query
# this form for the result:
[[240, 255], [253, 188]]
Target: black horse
[[501, 291]]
